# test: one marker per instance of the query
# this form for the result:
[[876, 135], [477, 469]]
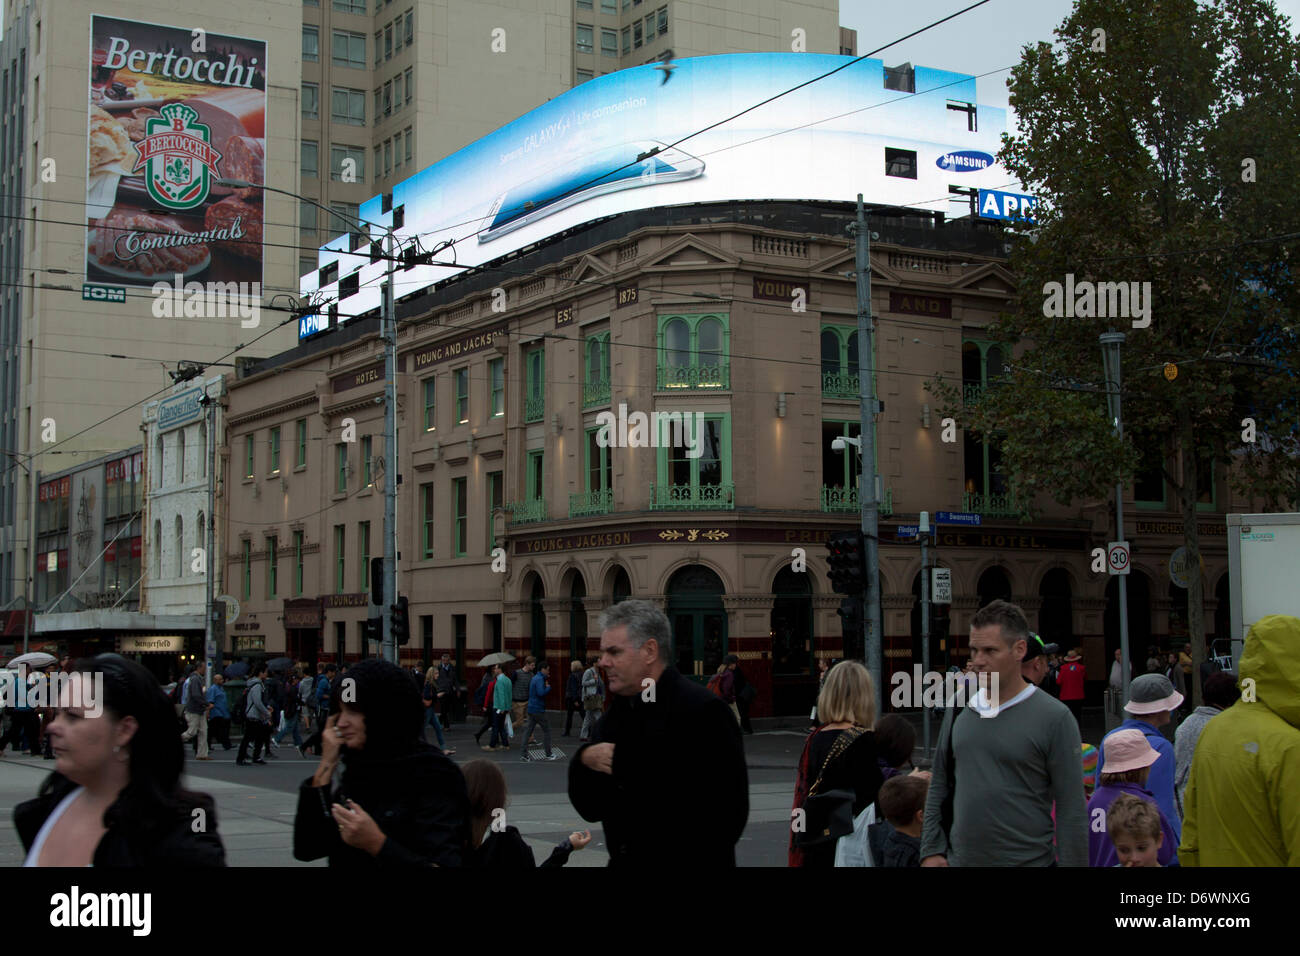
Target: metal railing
[[595, 393], [693, 497], [596, 502], [534, 408], [531, 509], [836, 500], [993, 506], [837, 385], [695, 376]]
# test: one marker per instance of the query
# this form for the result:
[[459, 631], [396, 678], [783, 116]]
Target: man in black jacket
[[666, 772]]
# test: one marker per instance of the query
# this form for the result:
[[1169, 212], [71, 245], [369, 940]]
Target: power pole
[[1110, 346], [923, 529], [389, 336], [867, 480]]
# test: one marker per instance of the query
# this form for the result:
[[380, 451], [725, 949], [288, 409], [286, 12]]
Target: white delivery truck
[[1263, 571]]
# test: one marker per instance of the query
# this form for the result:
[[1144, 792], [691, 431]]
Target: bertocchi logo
[[178, 157]]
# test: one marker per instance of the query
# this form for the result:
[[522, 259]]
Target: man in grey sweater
[[257, 718], [1003, 761], [196, 711]]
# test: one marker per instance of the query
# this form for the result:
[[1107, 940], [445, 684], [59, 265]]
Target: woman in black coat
[[114, 798], [400, 801]]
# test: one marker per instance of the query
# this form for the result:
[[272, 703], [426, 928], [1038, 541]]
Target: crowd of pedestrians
[[1011, 782]]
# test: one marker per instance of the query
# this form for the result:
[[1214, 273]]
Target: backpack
[[715, 684], [177, 691], [241, 706]]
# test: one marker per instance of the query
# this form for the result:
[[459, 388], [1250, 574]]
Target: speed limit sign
[[1117, 557]]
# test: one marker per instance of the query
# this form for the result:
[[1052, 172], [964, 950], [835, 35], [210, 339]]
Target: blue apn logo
[[994, 204], [964, 161]]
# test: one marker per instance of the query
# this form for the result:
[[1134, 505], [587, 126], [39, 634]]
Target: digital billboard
[[171, 109], [610, 145]]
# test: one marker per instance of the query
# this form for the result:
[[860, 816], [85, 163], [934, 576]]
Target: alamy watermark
[[1102, 300], [921, 689], [41, 690], [209, 300], [639, 430]]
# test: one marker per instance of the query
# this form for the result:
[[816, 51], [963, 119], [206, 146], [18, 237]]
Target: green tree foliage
[[1164, 151]]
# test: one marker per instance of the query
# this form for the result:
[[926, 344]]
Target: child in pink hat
[[1127, 764]]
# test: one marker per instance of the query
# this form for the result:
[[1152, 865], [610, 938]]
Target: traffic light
[[401, 624], [851, 620], [848, 561], [377, 581], [374, 628]]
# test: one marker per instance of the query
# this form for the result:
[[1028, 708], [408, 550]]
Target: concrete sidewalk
[[256, 824]]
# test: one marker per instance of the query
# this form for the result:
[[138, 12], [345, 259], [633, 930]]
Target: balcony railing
[[531, 509], [534, 408], [993, 506], [693, 497], [595, 393], [836, 500], [695, 376], [971, 394], [835, 385], [591, 503]]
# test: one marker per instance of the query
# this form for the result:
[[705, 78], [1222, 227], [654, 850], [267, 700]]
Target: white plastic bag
[[853, 849], [510, 730]]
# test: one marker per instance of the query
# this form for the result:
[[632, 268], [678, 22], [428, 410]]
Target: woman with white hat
[[1128, 764]]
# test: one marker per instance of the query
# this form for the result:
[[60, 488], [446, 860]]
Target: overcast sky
[[984, 40]]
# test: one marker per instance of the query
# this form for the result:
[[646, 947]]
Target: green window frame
[[1151, 504], [496, 500], [248, 567], [301, 429], [595, 370], [461, 379], [272, 566], [341, 468], [367, 448], [598, 464], [535, 384], [694, 351], [363, 533], [851, 462], [992, 494], [839, 362], [297, 563], [460, 515], [536, 475], [670, 461], [497, 378], [340, 559], [426, 521], [275, 450], [1202, 482], [430, 409], [248, 456]]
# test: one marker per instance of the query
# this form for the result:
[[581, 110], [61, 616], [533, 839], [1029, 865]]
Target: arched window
[[200, 533], [159, 463], [830, 353], [203, 449], [180, 456], [677, 342], [157, 547], [851, 354], [180, 546]]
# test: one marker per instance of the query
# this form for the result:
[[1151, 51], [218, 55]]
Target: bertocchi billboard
[[610, 145], [170, 110]]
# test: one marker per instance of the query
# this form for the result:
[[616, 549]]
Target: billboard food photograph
[[170, 111]]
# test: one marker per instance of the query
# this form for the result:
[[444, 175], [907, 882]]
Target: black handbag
[[828, 816]]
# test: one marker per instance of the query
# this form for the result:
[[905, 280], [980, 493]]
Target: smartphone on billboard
[[597, 174]]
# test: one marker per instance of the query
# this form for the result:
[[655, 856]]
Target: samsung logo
[[964, 161]]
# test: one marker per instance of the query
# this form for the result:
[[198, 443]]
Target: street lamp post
[[867, 494], [388, 335], [1110, 357]]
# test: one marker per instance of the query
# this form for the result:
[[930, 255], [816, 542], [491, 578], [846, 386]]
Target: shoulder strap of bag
[[842, 743]]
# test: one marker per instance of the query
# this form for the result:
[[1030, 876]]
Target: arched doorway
[[1139, 619], [537, 618], [994, 585], [622, 586], [699, 621], [577, 621], [1056, 614], [793, 685]]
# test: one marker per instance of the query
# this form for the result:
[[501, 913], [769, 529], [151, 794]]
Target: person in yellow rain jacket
[[1242, 802]]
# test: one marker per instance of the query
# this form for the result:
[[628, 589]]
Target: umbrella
[[500, 657], [34, 659], [236, 670], [280, 664]]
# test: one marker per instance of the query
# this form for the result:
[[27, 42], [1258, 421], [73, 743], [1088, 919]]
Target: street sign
[[232, 608], [1117, 557], [994, 204], [941, 585], [1179, 572], [907, 531], [957, 517]]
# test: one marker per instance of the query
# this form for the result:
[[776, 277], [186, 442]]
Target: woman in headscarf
[[400, 802], [114, 798]]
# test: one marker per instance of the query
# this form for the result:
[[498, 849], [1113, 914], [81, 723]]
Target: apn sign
[[999, 205]]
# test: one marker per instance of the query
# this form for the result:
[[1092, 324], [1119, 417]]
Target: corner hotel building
[[674, 309]]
